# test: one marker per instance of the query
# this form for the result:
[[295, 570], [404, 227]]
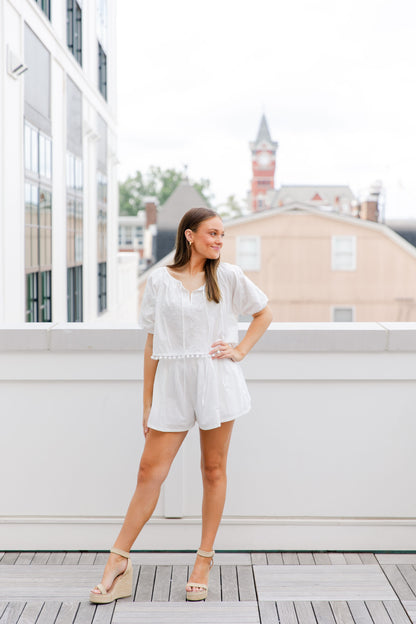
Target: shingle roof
[[319, 194], [184, 197]]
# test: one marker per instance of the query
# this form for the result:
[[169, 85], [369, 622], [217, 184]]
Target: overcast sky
[[336, 80]]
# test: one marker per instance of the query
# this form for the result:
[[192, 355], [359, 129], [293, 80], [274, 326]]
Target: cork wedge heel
[[122, 586], [201, 590]]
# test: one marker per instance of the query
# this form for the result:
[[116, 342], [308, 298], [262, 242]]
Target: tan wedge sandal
[[202, 592], [122, 585]]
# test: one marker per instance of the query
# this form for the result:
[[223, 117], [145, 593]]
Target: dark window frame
[[74, 294], [102, 286], [39, 297], [102, 71], [45, 5], [74, 29]]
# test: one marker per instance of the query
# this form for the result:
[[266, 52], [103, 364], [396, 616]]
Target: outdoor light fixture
[[15, 67]]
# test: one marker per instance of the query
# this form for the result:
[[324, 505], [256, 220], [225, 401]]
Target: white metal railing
[[324, 460]]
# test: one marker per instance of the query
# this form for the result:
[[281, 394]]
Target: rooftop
[[251, 588]]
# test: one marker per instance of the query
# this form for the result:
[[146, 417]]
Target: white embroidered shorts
[[201, 389]]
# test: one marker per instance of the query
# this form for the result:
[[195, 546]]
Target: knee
[[150, 473], [213, 473]]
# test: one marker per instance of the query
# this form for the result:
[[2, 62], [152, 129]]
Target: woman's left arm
[[259, 324]]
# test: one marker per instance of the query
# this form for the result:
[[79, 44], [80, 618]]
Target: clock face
[[264, 159]]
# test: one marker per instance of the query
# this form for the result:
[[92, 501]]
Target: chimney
[[369, 207], [151, 204]]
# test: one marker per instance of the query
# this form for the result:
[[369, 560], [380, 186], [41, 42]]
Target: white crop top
[[186, 324]]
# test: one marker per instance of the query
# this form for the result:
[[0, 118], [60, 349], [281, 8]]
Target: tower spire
[[263, 156], [263, 133]]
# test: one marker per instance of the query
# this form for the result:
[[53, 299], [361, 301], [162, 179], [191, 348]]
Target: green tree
[[156, 182], [231, 208]]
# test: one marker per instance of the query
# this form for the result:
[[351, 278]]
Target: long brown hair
[[191, 221]]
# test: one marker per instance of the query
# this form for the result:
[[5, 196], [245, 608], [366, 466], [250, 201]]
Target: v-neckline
[[182, 284]]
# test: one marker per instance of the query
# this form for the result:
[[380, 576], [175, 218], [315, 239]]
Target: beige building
[[325, 266]]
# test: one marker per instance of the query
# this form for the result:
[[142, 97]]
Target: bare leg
[[214, 452], [158, 454]]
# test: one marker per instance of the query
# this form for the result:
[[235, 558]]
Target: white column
[[58, 114], [12, 188]]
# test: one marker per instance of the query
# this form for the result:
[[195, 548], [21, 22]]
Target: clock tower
[[263, 158]]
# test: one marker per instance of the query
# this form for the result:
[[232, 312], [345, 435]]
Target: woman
[[191, 372]]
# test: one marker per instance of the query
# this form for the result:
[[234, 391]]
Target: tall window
[[102, 240], [74, 237], [102, 71], [343, 253], [74, 201], [249, 253], [74, 28], [38, 224], [102, 185], [102, 36], [45, 5]]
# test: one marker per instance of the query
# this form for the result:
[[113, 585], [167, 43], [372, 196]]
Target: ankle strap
[[205, 553], [123, 553]]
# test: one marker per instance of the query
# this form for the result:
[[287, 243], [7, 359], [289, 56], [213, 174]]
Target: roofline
[[308, 209]]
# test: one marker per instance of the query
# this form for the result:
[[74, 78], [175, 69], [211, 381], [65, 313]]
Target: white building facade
[[59, 190]]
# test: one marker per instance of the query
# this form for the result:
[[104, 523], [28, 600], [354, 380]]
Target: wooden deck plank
[[40, 558], [286, 612], [87, 558], [268, 613], [25, 558], [67, 613], [274, 558], [101, 559], [104, 613], [290, 558], [396, 558], [3, 606], [185, 613], [360, 612], [71, 558], [409, 573], [188, 558], [323, 612], [9, 558], [214, 587], [352, 557], [161, 588], [341, 611], [410, 606], [179, 580], [378, 611], [145, 583], [258, 558], [246, 586], [229, 583], [337, 558], [368, 557], [397, 581], [31, 612], [396, 612], [49, 612], [306, 558], [304, 612], [321, 558], [56, 558], [12, 612], [85, 613], [330, 582]]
